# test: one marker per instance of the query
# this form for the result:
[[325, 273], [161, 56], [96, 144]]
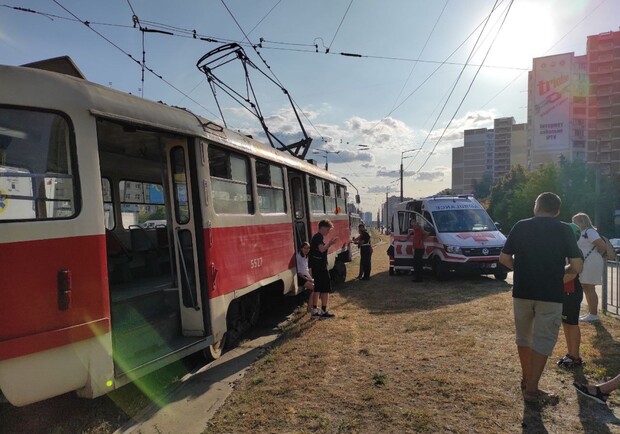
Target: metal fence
[[611, 288]]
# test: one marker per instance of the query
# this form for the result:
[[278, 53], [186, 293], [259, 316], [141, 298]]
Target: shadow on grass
[[385, 294], [68, 413], [593, 416]]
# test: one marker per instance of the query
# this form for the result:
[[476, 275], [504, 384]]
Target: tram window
[[141, 201], [340, 201], [108, 206], [330, 198], [230, 182], [270, 185], [37, 173], [316, 196]]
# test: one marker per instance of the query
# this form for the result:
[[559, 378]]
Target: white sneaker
[[315, 314], [589, 318]]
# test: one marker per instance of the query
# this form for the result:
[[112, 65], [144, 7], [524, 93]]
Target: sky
[[424, 71]]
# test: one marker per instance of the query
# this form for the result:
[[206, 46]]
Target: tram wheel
[[215, 350]]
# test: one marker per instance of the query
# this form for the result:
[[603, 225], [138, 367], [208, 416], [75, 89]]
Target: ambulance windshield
[[463, 220]]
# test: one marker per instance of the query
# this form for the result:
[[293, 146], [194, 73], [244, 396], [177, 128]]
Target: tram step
[[138, 345], [145, 308]]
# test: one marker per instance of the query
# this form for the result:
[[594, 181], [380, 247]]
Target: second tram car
[[133, 233]]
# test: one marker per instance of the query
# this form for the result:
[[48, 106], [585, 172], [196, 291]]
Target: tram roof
[[33, 87]]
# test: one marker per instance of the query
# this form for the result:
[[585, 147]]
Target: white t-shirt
[[592, 273], [302, 265]]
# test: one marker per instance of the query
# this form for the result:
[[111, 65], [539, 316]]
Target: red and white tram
[[133, 233]]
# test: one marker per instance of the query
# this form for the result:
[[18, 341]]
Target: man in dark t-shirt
[[537, 249]]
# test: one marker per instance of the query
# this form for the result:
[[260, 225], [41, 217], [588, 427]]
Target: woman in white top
[[592, 247], [304, 278]]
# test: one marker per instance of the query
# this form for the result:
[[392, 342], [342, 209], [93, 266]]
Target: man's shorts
[[322, 281], [537, 324]]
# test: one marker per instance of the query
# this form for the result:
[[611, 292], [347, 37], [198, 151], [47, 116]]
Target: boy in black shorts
[[320, 273], [571, 303]]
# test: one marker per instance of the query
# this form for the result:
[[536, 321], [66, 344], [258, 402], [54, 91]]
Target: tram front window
[[37, 178]]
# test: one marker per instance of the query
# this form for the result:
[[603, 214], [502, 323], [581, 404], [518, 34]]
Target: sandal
[[540, 397], [598, 396], [569, 361]]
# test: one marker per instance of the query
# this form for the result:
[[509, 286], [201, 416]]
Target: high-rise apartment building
[[518, 145], [603, 105], [503, 139], [489, 152], [557, 90], [478, 156], [457, 170]]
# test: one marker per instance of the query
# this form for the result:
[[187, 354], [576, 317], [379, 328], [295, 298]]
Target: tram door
[[300, 212], [184, 238]]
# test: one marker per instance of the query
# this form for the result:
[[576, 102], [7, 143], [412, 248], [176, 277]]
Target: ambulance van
[[462, 237]]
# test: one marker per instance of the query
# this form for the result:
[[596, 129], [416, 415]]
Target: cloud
[[471, 120]]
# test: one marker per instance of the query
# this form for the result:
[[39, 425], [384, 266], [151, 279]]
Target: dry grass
[[404, 357]]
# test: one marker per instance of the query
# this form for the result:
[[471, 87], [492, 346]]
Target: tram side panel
[[54, 315]]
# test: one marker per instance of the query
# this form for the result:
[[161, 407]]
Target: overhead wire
[[548, 50], [468, 89], [339, 25], [471, 53], [87, 24], [265, 16], [428, 77], [428, 38]]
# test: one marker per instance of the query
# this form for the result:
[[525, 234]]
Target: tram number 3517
[[256, 263]]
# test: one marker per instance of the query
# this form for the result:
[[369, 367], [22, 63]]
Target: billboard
[[552, 77]]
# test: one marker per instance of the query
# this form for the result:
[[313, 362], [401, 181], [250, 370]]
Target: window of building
[[231, 188], [270, 185], [38, 179]]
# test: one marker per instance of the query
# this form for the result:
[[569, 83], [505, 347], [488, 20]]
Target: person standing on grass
[[320, 273], [573, 295], [593, 248], [363, 242], [418, 235], [537, 249]]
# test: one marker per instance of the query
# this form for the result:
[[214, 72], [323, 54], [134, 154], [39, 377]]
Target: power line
[[339, 25], [263, 19], [471, 53], [421, 51], [548, 50], [468, 89], [483, 22], [87, 24]]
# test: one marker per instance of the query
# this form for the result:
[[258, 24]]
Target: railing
[[611, 288]]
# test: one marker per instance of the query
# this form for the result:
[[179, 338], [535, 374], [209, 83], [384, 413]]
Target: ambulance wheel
[[339, 273], [439, 269], [391, 271], [501, 275], [397, 272]]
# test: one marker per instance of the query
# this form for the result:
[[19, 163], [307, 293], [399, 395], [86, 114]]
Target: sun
[[529, 31]]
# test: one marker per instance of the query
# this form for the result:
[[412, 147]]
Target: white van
[[463, 238]]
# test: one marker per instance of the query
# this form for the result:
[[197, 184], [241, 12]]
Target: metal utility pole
[[401, 170], [325, 151]]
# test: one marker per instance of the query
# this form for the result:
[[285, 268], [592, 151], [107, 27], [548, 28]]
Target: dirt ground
[[410, 357], [399, 357]]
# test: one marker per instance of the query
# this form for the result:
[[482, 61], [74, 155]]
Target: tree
[[482, 188]]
